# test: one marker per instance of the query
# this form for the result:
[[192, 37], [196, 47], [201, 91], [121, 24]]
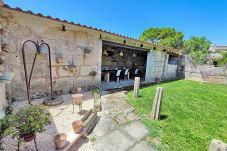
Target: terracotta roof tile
[[77, 24]]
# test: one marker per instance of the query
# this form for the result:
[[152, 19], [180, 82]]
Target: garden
[[193, 113]]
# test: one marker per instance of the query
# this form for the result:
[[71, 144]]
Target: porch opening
[[121, 63]]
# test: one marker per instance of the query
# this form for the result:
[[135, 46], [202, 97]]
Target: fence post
[[157, 104], [136, 87]]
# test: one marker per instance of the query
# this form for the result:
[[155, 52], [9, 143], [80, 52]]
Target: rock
[[217, 145]]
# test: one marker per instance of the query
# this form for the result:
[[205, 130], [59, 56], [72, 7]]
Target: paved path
[[119, 129]]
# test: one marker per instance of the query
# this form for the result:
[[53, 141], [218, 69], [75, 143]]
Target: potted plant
[[27, 122], [59, 59], [96, 92], [4, 129], [92, 74], [72, 67], [59, 140], [87, 50]]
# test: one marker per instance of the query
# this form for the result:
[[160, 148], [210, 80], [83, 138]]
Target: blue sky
[[130, 17]]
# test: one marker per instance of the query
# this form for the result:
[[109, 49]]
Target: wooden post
[[157, 104], [136, 87]]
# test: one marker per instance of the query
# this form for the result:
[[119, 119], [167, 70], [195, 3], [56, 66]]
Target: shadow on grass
[[163, 117]]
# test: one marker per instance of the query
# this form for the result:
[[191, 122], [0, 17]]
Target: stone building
[[73, 44]]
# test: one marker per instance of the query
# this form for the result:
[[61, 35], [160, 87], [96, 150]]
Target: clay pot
[[78, 98], [72, 68], [77, 125], [29, 138], [59, 59], [59, 140]]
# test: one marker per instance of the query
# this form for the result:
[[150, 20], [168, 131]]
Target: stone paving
[[118, 127]]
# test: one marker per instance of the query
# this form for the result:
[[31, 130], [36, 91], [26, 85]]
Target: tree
[[164, 36], [198, 49]]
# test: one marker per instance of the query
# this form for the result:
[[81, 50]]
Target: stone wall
[[69, 45], [204, 73]]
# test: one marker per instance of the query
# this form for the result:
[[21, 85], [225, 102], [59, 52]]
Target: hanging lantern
[[134, 54], [121, 54], [105, 52]]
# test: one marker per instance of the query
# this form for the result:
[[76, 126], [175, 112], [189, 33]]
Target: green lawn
[[193, 113]]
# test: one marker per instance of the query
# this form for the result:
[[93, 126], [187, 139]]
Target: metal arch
[[25, 67]]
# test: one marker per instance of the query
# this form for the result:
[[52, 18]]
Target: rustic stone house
[[75, 44]]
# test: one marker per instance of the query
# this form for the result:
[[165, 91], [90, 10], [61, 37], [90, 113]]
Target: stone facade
[[69, 45]]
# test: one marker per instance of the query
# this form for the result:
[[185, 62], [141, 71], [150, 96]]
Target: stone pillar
[[136, 87], [157, 104], [217, 145], [148, 76]]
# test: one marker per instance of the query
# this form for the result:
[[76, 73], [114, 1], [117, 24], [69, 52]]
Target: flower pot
[[59, 59], [77, 126], [59, 140], [29, 137], [92, 77], [77, 98], [96, 95], [72, 68], [6, 76]]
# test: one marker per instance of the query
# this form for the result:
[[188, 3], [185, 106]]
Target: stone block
[[217, 145], [136, 130]]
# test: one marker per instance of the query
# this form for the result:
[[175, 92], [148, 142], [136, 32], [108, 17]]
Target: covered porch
[[121, 63]]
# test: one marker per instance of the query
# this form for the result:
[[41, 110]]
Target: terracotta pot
[[77, 125], [59, 140], [72, 68], [29, 137], [59, 59], [78, 98]]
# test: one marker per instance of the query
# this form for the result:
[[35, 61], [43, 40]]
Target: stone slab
[[116, 141], [142, 146], [104, 126], [136, 130]]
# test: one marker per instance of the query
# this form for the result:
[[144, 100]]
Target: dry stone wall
[[69, 45], [204, 73]]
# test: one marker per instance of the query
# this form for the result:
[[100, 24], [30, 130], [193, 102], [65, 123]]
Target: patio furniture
[[126, 74], [137, 73], [117, 76], [77, 100]]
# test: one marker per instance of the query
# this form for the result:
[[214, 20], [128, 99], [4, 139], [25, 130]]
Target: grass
[[193, 113]]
